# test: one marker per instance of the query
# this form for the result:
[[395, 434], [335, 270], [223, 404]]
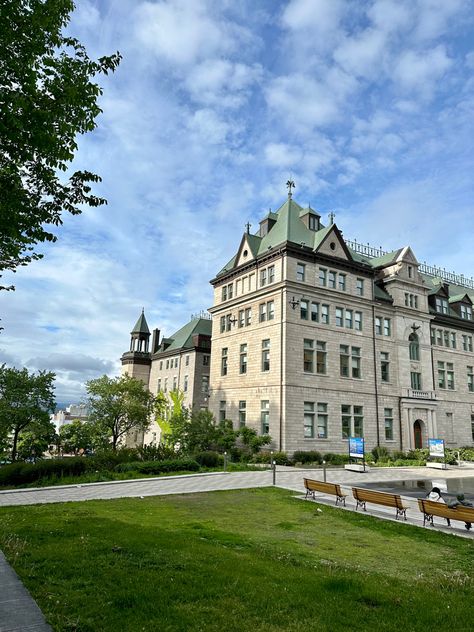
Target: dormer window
[[312, 222], [410, 272], [466, 312], [442, 305]]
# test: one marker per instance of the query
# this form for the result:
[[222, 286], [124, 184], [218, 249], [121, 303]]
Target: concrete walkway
[[20, 613]]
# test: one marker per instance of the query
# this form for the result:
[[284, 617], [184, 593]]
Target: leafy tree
[[76, 436], [35, 441], [251, 441], [47, 98], [196, 431], [26, 401], [119, 406]]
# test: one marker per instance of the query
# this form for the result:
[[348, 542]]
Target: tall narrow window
[[224, 361], [308, 420], [384, 366], [325, 314], [358, 321], [158, 388], [415, 380], [342, 282], [332, 279], [300, 271], [242, 413], [243, 359], [175, 383], [304, 309], [349, 318], [222, 323], [360, 287], [205, 360], [308, 356], [322, 277], [315, 312], [355, 362], [470, 379], [414, 347], [166, 385], [450, 376], [265, 416], [271, 274], [228, 322], [205, 384], [388, 422], [263, 312], [466, 312], [441, 375], [248, 316], [185, 383], [222, 410], [266, 355], [321, 364], [387, 329], [453, 340], [241, 318], [187, 361], [263, 277], [270, 310], [346, 421], [472, 427], [344, 360], [358, 421], [339, 317], [378, 325], [322, 421]]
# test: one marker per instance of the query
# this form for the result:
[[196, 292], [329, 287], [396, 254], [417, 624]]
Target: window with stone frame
[[222, 324], [248, 316], [339, 317], [442, 305], [323, 276], [321, 357], [358, 321], [222, 410], [342, 282], [385, 366], [388, 423], [308, 355], [271, 274], [242, 413], [304, 312], [300, 271], [322, 420], [466, 312], [415, 379], [348, 319], [344, 360], [470, 379], [205, 384], [243, 359], [332, 279], [360, 287], [224, 360], [314, 312], [414, 347], [265, 416], [266, 355], [263, 277], [241, 318], [467, 343], [325, 314], [185, 383], [352, 421], [308, 420]]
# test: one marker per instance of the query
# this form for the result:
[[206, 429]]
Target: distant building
[[316, 338], [69, 414], [179, 362]]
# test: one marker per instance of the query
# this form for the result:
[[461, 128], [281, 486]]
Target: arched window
[[414, 347]]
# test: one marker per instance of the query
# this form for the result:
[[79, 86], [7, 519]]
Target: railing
[[415, 394], [202, 314], [451, 277]]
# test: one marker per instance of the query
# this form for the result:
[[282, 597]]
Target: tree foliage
[[26, 401], [47, 97], [76, 437], [118, 406]]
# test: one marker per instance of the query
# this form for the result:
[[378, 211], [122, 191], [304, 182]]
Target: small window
[[300, 271], [342, 282], [388, 418], [360, 287], [205, 384], [322, 277], [265, 416], [332, 279]]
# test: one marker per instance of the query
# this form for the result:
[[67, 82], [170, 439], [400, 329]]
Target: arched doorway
[[418, 433]]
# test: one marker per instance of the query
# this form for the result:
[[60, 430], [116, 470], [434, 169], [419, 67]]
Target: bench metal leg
[[428, 519], [340, 499], [401, 512], [361, 503]]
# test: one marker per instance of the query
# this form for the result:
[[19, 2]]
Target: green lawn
[[243, 560]]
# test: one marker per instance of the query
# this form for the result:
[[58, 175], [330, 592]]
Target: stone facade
[[180, 362], [313, 340]]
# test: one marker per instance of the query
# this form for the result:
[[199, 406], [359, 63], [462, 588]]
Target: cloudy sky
[[368, 105]]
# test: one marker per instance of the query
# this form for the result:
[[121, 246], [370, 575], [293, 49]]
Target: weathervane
[[247, 226], [331, 216], [290, 185]]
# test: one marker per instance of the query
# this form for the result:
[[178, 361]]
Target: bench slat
[[334, 489], [363, 496], [430, 508]]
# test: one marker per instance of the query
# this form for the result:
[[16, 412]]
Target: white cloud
[[362, 55], [317, 16], [417, 71]]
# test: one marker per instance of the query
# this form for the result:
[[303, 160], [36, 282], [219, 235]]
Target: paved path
[[20, 613]]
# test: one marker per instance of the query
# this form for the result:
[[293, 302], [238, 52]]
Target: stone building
[[181, 361], [316, 339]]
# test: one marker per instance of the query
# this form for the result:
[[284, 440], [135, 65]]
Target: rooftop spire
[[331, 216], [290, 185], [141, 326]]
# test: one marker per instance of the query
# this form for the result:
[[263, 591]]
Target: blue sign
[[356, 447], [436, 447]]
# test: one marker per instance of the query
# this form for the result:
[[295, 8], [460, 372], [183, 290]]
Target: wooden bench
[[430, 508], [364, 496], [325, 488]]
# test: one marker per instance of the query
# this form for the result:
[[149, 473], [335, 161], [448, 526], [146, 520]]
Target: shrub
[[208, 459], [154, 452], [170, 465], [466, 454], [24, 473], [380, 451], [262, 457], [397, 455], [281, 458], [336, 459], [308, 456], [131, 466]]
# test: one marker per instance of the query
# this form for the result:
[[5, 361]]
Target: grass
[[242, 560]]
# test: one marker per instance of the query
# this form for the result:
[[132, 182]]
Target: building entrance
[[418, 435]]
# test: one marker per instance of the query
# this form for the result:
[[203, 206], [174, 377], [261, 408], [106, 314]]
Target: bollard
[[274, 472], [225, 461], [324, 470]]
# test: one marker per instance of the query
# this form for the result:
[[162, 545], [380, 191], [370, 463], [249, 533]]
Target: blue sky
[[368, 105]]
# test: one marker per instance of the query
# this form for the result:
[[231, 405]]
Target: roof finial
[[143, 310], [290, 185], [331, 216], [247, 226]]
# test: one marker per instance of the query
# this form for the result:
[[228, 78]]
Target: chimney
[[155, 341]]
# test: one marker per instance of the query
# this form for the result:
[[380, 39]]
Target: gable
[[248, 249], [333, 244], [407, 256]]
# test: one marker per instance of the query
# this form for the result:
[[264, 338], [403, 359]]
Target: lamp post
[[274, 472], [324, 471], [225, 461]]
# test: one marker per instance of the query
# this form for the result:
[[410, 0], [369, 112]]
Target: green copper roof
[[141, 326], [458, 297], [183, 338], [385, 260]]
